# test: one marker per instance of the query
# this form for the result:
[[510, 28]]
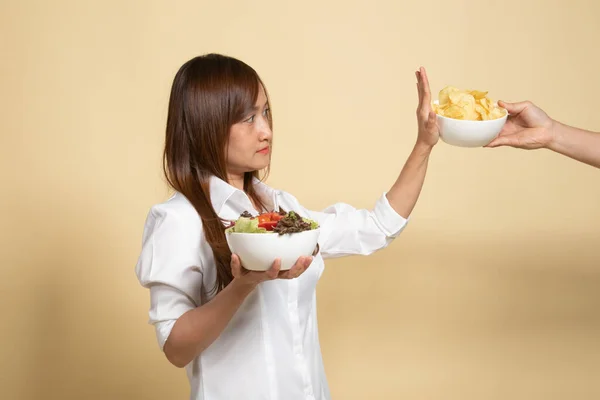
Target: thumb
[[513, 108], [236, 266], [432, 118]]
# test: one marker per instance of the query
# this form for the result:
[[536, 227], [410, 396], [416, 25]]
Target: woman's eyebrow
[[255, 108]]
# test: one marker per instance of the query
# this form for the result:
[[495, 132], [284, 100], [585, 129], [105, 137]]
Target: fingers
[[507, 140], [273, 272], [424, 94], [298, 269], [425, 85], [236, 266], [514, 108], [494, 143], [419, 92]]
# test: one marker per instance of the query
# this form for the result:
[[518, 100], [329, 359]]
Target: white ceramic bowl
[[258, 251], [466, 133]]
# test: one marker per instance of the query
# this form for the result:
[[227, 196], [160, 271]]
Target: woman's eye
[[250, 120], [266, 112]]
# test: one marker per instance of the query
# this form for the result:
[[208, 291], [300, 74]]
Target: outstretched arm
[[529, 127], [405, 192]]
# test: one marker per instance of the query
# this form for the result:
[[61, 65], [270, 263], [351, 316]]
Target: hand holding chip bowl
[[468, 118]]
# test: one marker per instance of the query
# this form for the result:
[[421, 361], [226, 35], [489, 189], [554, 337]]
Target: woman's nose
[[265, 130]]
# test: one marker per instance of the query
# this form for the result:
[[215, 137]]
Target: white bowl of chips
[[468, 118]]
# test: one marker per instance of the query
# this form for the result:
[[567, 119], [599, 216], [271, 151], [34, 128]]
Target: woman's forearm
[[197, 329], [406, 190], [578, 144]]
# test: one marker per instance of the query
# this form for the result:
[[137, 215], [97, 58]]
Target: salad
[[272, 222]]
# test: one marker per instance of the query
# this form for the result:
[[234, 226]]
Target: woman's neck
[[237, 181]]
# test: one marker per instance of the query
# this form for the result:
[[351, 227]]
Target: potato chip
[[462, 99], [455, 112], [497, 113], [471, 105], [445, 93], [486, 104], [483, 113], [478, 95]]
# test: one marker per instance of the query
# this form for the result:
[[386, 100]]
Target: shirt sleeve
[[170, 266], [346, 230]]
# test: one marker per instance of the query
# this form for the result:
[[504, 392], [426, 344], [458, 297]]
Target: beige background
[[493, 292]]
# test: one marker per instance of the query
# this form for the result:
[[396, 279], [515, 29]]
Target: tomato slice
[[276, 217], [271, 216], [268, 225], [264, 218]]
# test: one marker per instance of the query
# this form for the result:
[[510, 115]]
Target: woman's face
[[249, 147]]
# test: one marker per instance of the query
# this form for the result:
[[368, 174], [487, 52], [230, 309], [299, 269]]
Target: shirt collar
[[222, 193], [267, 193]]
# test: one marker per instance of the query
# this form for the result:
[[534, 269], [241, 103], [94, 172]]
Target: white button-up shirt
[[270, 349]]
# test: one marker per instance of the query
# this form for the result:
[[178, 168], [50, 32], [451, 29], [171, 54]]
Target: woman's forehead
[[261, 99]]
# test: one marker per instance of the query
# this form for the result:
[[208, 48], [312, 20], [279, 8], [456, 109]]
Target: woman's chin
[[257, 168], [261, 165]]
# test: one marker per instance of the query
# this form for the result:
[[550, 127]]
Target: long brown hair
[[209, 94]]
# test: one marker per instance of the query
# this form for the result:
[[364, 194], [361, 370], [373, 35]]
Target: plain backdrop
[[492, 291]]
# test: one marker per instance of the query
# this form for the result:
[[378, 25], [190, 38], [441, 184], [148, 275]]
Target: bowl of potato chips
[[468, 118]]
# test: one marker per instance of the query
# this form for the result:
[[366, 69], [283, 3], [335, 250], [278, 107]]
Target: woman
[[241, 334]]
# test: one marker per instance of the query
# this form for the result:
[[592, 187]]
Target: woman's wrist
[[242, 288], [422, 148]]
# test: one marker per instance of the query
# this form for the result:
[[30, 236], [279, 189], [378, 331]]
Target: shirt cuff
[[390, 222], [167, 305], [163, 330]]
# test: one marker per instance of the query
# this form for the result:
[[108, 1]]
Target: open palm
[[428, 130]]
